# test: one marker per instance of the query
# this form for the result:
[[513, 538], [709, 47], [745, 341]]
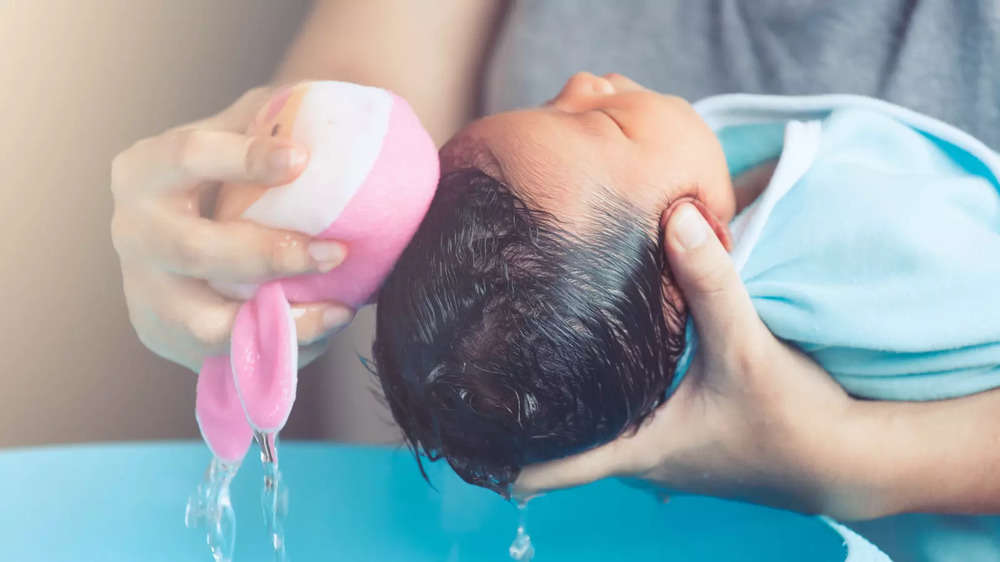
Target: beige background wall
[[81, 80]]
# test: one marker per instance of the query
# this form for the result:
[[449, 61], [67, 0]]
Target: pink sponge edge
[[219, 412], [264, 358]]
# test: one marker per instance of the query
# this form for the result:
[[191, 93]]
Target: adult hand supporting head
[[168, 251], [753, 419]]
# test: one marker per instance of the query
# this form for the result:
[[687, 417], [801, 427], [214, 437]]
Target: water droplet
[[274, 495], [522, 549], [210, 509]]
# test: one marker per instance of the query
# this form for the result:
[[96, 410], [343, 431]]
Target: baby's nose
[[583, 86]]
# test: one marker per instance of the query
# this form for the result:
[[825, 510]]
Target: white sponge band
[[344, 125]]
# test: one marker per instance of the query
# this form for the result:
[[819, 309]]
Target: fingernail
[[690, 228], [328, 255], [286, 158], [335, 317]]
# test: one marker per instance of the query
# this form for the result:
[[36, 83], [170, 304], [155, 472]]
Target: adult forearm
[[431, 54], [941, 456]]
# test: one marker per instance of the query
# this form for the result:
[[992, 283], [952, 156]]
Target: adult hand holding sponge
[[371, 176]]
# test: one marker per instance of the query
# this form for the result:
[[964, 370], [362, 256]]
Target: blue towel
[[881, 259]]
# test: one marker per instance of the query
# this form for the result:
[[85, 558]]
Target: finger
[[204, 319], [576, 470], [180, 159], [194, 318], [712, 288], [233, 251], [318, 321], [631, 454]]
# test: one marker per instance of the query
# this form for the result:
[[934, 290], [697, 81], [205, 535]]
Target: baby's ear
[[720, 228]]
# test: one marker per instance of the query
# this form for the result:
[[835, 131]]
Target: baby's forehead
[[509, 155], [574, 192]]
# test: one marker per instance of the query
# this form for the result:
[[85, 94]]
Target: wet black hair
[[502, 339]]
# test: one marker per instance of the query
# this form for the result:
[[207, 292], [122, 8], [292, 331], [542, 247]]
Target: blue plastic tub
[[125, 502]]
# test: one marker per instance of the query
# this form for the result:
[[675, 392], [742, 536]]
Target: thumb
[[703, 270]]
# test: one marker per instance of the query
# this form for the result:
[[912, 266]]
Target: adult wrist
[[858, 473]]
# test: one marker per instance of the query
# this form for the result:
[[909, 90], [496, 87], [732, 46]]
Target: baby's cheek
[[275, 119]]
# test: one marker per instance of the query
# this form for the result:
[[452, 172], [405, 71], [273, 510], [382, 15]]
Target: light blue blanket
[[882, 260]]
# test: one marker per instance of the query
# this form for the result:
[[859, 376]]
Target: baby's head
[[533, 316]]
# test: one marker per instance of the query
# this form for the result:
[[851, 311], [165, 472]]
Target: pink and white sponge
[[371, 176]]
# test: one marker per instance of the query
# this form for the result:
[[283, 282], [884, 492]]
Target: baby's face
[[599, 133]]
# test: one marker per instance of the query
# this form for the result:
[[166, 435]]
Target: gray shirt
[[939, 57]]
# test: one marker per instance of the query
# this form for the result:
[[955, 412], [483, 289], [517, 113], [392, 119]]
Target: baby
[[533, 315]]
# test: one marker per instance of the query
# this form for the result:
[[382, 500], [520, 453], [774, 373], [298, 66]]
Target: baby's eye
[[275, 129]]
